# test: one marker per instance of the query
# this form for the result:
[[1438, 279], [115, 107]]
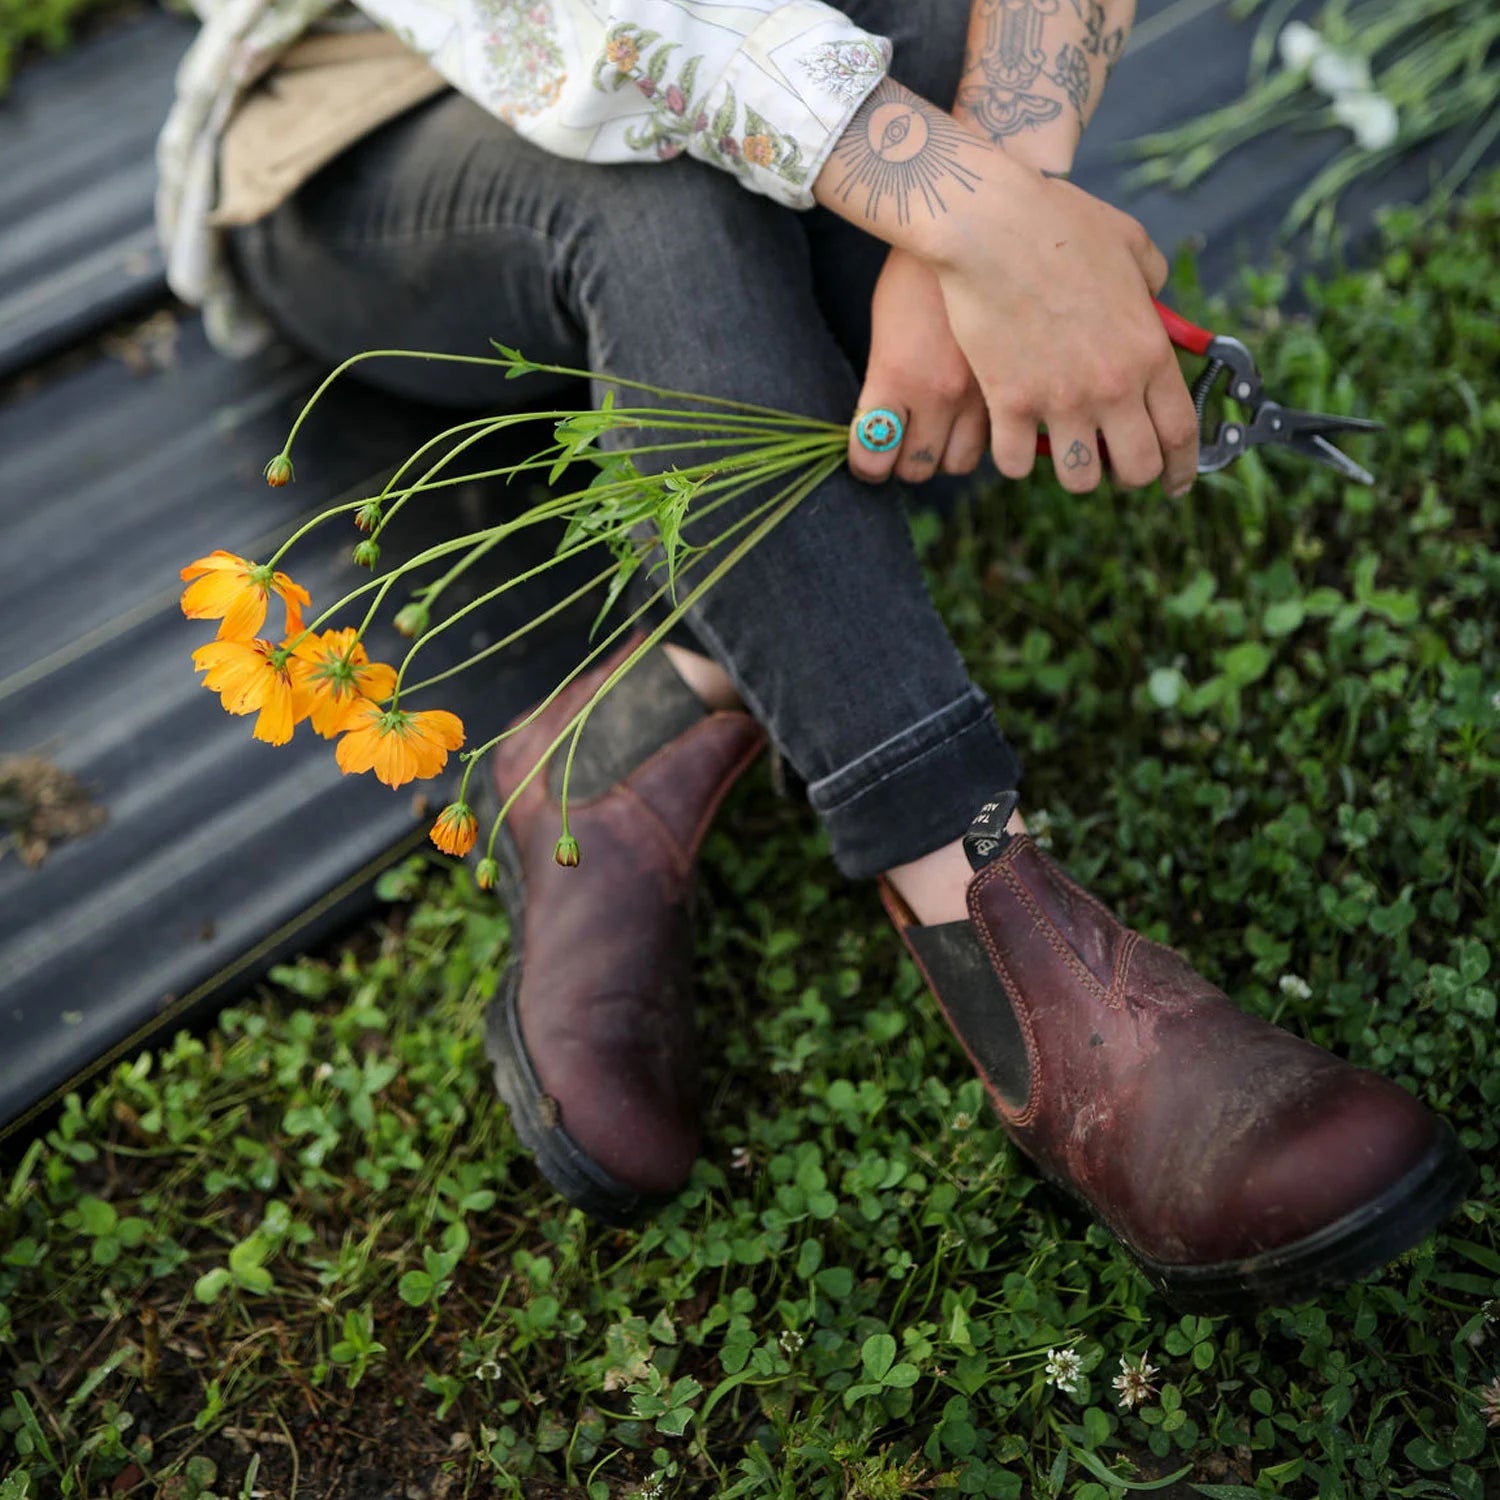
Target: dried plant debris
[[41, 805], [145, 348]]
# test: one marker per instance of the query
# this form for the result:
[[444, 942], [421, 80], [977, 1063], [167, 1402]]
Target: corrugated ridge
[[77, 137]]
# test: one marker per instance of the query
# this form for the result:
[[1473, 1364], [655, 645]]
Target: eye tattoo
[[901, 155], [894, 134]]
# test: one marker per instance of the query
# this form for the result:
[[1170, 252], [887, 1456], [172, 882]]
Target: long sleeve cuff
[[786, 97]]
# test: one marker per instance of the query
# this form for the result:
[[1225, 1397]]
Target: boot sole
[[1347, 1250], [559, 1158]]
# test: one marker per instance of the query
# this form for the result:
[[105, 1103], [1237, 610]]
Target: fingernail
[[1178, 493]]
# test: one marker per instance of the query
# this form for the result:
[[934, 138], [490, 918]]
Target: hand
[[917, 370], [1048, 293]]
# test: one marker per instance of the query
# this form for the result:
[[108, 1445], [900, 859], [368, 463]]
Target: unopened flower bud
[[367, 517], [279, 471], [411, 619], [566, 853], [367, 554], [486, 873]]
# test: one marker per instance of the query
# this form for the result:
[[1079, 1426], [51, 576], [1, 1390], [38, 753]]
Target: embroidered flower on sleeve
[[847, 69]]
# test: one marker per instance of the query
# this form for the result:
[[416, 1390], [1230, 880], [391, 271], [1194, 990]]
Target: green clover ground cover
[[302, 1253]]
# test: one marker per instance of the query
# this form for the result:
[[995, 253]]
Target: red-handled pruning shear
[[1304, 432]]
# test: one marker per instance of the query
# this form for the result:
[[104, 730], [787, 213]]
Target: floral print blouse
[[759, 88]]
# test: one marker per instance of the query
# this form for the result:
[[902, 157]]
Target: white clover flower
[[791, 1342], [1134, 1382], [1039, 826], [1372, 118], [1294, 987], [1298, 45], [488, 1370], [1489, 1402], [1064, 1370], [1337, 73]]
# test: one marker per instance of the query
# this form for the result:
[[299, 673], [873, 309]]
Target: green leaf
[[1284, 617], [1426, 1454], [95, 1216], [1096, 1466], [416, 1288], [1096, 1426], [211, 1284], [1190, 602], [878, 1354], [1246, 663]]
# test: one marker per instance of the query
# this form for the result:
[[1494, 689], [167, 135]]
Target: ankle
[[712, 684], [936, 887]]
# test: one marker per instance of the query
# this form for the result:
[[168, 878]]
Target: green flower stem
[[510, 362], [742, 483], [1433, 60], [742, 476], [312, 525], [799, 489], [658, 390], [360, 358], [494, 647], [701, 513], [486, 427], [439, 550], [431, 592], [509, 471], [478, 751]]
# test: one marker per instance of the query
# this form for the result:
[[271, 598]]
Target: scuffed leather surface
[[1198, 1133], [605, 996]]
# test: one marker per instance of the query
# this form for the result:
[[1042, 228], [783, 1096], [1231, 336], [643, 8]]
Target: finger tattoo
[[1079, 455], [924, 456]]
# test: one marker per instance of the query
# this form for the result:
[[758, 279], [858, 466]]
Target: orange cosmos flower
[[455, 830], [331, 673], [237, 591], [399, 746], [251, 676]]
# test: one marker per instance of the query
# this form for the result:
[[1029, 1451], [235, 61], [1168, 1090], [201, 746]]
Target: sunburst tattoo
[[899, 150]]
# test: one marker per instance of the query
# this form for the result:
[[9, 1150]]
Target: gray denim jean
[[445, 229]]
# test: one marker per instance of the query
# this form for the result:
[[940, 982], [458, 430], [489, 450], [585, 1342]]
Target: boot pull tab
[[987, 837]]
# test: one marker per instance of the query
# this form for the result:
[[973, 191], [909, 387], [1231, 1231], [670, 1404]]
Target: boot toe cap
[[1346, 1151]]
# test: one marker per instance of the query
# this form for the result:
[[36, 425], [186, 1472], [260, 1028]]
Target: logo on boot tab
[[987, 836]]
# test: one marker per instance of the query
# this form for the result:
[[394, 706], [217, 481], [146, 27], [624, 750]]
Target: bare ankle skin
[[935, 886], [705, 676]]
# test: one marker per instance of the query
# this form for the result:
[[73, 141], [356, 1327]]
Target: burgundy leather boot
[[592, 1032], [1237, 1164]]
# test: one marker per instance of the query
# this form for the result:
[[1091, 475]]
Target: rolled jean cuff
[[916, 791]]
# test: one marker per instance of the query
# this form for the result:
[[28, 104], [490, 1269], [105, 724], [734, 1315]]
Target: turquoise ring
[[878, 430]]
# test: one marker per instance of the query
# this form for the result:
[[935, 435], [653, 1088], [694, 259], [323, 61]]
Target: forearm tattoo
[[900, 156], [1022, 70]]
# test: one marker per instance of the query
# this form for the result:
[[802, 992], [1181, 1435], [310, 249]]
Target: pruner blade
[[1306, 432]]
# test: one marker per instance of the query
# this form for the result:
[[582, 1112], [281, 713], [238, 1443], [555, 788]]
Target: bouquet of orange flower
[[321, 673]]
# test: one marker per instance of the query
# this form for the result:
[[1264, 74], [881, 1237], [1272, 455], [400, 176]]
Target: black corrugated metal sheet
[[77, 172], [217, 853], [213, 844]]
